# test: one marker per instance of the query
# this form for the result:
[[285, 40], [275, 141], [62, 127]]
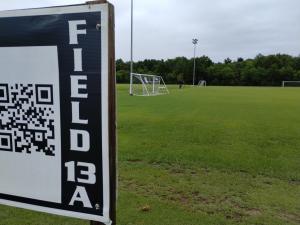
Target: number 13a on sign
[[88, 171]]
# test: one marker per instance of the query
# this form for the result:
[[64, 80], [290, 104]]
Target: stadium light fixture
[[195, 42]]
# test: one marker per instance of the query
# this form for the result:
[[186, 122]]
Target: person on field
[[181, 83]]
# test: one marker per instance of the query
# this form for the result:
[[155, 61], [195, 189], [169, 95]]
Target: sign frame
[[108, 91]]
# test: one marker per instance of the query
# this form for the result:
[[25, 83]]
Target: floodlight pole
[[195, 42], [131, 50]]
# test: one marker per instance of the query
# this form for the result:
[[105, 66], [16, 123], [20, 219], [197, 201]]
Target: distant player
[[181, 83]]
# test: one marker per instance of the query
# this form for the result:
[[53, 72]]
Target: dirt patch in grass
[[291, 217], [253, 212]]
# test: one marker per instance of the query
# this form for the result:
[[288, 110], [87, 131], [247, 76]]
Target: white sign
[[54, 111]]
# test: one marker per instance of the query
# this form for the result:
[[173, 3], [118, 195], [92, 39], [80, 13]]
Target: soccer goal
[[295, 83], [147, 85], [202, 83]]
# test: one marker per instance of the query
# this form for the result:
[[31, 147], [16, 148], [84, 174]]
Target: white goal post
[[202, 83], [147, 85], [286, 82]]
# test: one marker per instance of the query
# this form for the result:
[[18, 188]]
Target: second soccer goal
[[147, 85]]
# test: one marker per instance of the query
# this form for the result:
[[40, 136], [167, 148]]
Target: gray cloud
[[234, 28]]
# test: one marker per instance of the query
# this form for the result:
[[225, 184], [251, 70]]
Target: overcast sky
[[233, 28]]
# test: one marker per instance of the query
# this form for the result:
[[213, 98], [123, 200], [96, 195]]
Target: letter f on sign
[[74, 31]]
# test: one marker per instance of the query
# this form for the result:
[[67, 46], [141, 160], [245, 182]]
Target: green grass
[[215, 155]]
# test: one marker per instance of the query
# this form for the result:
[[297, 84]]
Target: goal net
[[291, 83], [147, 85], [202, 83]]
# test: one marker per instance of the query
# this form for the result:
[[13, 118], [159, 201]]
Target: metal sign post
[[58, 111]]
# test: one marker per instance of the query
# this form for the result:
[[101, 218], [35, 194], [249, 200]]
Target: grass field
[[215, 155]]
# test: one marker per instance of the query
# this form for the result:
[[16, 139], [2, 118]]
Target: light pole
[[195, 42], [131, 49]]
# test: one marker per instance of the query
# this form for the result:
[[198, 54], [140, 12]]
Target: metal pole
[[131, 49], [194, 71], [195, 41]]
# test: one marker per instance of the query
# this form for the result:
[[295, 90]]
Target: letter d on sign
[[80, 140]]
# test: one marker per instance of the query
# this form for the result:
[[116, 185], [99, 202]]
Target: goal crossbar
[[289, 82]]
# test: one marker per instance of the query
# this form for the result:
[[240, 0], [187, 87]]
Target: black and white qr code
[[27, 119]]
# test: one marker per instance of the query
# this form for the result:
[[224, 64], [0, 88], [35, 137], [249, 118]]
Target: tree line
[[263, 70]]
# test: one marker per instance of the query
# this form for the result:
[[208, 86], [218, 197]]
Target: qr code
[[27, 118]]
